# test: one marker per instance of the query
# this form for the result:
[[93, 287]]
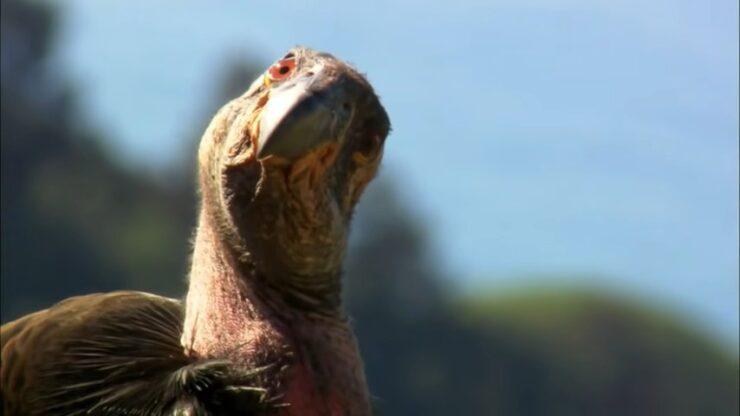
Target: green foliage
[[73, 221], [602, 354]]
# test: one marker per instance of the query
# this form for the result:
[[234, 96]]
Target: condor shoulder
[[45, 354]]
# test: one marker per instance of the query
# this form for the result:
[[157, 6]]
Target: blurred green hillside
[[596, 354], [73, 220]]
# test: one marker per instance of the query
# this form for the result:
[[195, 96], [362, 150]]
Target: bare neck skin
[[259, 313]]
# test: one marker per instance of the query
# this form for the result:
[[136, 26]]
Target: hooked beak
[[304, 113]]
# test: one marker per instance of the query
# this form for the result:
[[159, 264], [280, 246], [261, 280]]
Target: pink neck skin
[[226, 318]]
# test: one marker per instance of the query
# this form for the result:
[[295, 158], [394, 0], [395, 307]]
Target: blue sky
[[584, 138]]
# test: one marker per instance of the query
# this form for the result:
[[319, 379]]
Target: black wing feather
[[118, 354]]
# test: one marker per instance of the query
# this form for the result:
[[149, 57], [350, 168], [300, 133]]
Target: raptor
[[262, 329]]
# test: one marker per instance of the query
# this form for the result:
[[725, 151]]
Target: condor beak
[[311, 109]]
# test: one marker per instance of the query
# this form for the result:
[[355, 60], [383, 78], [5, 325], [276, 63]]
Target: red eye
[[281, 69]]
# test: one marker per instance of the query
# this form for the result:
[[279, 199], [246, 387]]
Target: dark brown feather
[[116, 354]]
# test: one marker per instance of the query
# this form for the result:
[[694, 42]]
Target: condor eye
[[282, 69]]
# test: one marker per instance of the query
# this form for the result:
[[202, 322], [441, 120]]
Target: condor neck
[[230, 290], [232, 313]]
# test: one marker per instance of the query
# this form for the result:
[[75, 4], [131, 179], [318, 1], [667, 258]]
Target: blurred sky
[[536, 138]]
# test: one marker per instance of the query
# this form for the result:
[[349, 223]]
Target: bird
[[262, 329]]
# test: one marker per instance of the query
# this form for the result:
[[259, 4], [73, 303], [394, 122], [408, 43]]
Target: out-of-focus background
[[554, 231]]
